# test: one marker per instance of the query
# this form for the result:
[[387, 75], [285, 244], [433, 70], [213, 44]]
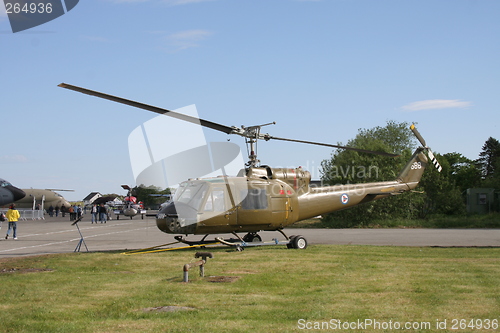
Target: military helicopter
[[131, 207], [261, 198]]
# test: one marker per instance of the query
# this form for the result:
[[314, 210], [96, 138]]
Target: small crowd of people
[[99, 213]]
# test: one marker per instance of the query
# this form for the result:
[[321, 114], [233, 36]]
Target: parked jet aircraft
[[35, 196], [9, 193]]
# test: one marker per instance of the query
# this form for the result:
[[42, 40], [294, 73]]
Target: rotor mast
[[252, 134]]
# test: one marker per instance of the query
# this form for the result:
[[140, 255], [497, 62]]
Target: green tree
[[442, 195], [150, 195], [463, 172], [437, 193], [349, 167], [489, 158], [489, 163]]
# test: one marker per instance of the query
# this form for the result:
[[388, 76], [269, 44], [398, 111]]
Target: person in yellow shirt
[[12, 216]]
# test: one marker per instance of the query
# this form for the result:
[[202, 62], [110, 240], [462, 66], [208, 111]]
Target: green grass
[[277, 287]]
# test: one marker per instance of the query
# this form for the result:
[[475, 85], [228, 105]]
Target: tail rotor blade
[[434, 160], [417, 134], [429, 152]]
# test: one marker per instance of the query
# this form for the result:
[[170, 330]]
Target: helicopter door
[[281, 208], [254, 211], [216, 209]]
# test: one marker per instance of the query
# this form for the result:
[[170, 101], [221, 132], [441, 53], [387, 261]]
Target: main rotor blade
[[194, 120], [58, 189], [335, 146]]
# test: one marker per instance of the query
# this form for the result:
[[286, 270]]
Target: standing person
[[12, 216], [57, 211], [78, 211], [2, 219], [102, 213], [75, 211], [93, 211]]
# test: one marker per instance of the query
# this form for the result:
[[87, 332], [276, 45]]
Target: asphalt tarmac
[[58, 235]]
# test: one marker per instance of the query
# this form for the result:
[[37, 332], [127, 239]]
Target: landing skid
[[250, 239], [292, 242]]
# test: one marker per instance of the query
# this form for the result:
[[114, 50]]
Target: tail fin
[[414, 169], [428, 149]]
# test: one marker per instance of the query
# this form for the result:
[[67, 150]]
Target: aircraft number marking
[[416, 165]]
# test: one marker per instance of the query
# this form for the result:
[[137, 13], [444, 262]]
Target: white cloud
[[13, 159], [436, 104], [186, 39]]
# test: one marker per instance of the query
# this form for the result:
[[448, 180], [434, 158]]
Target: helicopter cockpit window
[[255, 199], [216, 201], [190, 194]]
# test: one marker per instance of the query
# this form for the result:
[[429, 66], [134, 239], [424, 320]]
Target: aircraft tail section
[[414, 169]]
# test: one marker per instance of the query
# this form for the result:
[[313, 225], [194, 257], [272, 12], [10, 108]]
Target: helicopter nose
[[17, 193], [165, 217], [176, 218], [169, 210]]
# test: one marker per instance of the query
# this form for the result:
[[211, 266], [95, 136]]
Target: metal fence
[[28, 214]]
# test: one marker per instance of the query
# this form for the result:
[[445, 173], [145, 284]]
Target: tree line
[[437, 194]]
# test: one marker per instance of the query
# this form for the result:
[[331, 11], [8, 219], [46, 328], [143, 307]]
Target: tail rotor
[[428, 149]]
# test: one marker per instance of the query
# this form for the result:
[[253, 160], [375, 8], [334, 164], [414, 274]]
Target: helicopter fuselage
[[264, 198]]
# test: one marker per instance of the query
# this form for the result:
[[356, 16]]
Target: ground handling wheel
[[252, 237], [297, 242]]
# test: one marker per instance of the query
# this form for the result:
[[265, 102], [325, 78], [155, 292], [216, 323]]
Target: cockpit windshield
[[4, 183], [191, 193]]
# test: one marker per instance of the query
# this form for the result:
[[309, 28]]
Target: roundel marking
[[344, 198]]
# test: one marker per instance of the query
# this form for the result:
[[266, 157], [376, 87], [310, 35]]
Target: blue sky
[[320, 69]]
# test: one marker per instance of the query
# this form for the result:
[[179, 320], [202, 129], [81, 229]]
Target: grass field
[[273, 290]]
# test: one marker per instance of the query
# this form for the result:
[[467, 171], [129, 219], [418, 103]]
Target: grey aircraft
[[9, 193]]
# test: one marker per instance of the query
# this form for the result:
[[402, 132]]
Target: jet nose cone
[[17, 193]]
